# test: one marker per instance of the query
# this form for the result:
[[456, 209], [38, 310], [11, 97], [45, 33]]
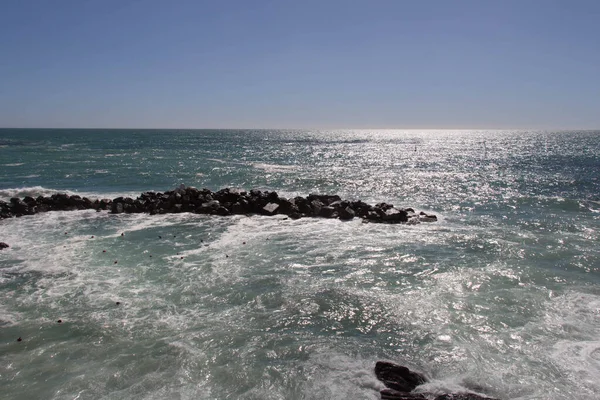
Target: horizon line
[[313, 128]]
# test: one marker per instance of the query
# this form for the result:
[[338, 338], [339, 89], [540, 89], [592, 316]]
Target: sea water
[[500, 296]]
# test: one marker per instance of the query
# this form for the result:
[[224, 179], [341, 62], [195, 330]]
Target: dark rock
[[424, 217], [347, 214], [224, 202], [325, 199], [272, 197], [303, 205], [394, 215], [228, 195], [29, 200], [397, 377], [117, 208], [222, 211], [3, 245], [316, 206], [286, 206], [105, 204], [209, 207], [240, 207], [327, 212], [391, 394]]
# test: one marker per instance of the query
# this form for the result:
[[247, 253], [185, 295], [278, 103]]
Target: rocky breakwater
[[223, 202], [401, 383]]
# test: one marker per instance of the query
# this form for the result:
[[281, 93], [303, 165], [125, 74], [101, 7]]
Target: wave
[[35, 191], [274, 167]]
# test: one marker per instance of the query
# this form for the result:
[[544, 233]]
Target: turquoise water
[[501, 294]]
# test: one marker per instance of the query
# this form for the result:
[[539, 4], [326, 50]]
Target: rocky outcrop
[[223, 202], [398, 377], [3, 246], [400, 383]]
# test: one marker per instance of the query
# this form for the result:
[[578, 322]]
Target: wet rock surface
[[400, 383], [224, 202]]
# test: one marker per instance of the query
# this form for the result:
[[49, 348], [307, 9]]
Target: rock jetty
[[223, 202], [400, 383]]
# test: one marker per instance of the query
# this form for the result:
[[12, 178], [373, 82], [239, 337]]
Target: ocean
[[500, 296]]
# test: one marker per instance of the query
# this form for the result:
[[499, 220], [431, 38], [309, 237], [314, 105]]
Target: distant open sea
[[501, 295]]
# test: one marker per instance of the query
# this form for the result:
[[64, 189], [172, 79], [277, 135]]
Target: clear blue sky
[[300, 63]]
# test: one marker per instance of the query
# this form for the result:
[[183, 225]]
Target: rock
[[347, 214], [324, 199], [391, 394], [394, 215], [222, 211], [424, 217], [240, 207], [327, 212], [270, 209], [105, 204], [29, 200], [287, 207], [3, 245], [224, 202], [117, 208], [316, 206], [209, 207], [272, 197], [228, 195], [397, 377]]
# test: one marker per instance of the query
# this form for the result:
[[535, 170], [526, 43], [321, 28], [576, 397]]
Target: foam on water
[[35, 191], [324, 295]]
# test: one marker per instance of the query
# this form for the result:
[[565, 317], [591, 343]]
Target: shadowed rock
[[4, 245], [347, 213]]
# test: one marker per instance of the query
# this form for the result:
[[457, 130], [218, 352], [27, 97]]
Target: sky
[[532, 64]]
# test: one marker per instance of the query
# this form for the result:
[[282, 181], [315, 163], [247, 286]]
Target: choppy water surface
[[501, 295]]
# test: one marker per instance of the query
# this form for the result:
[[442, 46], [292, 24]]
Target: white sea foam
[[35, 191], [274, 167]]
